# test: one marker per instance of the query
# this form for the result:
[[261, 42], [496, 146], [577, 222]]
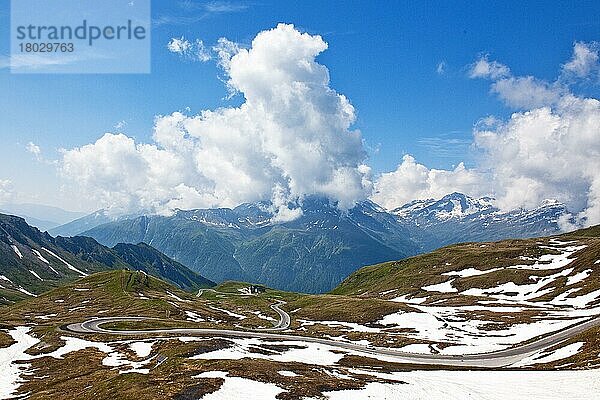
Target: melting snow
[[552, 261], [236, 388], [308, 353], [544, 356], [512, 291], [142, 349], [41, 258], [72, 268], [465, 273], [488, 385], [10, 371], [36, 275], [287, 373], [578, 277], [412, 300], [452, 325], [45, 317], [192, 316], [444, 287], [16, 249], [336, 324], [20, 289], [231, 314], [176, 297]]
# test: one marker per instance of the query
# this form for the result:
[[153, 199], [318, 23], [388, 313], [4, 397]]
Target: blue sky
[[383, 57]]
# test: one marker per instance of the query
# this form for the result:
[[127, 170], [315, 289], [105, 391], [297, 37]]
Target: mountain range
[[316, 251], [33, 262], [41, 216]]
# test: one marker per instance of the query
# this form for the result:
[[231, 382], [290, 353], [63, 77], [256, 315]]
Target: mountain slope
[[32, 262], [562, 270], [142, 257], [459, 218], [324, 245], [311, 254]]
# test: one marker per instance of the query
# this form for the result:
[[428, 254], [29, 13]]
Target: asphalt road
[[284, 318], [495, 359]]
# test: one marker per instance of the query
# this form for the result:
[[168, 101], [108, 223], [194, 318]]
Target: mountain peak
[[451, 206]]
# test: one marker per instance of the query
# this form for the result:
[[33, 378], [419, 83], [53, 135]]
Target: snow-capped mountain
[[314, 252], [452, 206], [460, 218]]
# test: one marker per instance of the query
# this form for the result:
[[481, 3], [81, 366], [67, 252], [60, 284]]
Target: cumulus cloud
[[548, 152], [518, 92], [291, 137], [412, 180], [548, 149], [525, 92], [584, 60]]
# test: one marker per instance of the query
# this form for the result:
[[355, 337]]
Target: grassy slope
[[408, 276]]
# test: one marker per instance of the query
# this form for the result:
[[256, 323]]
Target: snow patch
[[72, 268], [444, 287], [17, 251], [36, 275], [10, 372], [465, 273], [544, 356], [578, 277], [194, 317], [141, 349], [488, 385], [236, 388]]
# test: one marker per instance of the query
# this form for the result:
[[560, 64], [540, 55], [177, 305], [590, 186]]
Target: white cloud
[[584, 60], [527, 92], [225, 50], [194, 51], [547, 153], [291, 137], [518, 92], [34, 149], [483, 68], [201, 52], [220, 7], [120, 125], [550, 149], [179, 45], [412, 180]]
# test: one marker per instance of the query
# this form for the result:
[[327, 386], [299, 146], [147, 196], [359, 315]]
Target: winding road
[[497, 359]]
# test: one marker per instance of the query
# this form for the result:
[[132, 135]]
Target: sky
[[396, 102]]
